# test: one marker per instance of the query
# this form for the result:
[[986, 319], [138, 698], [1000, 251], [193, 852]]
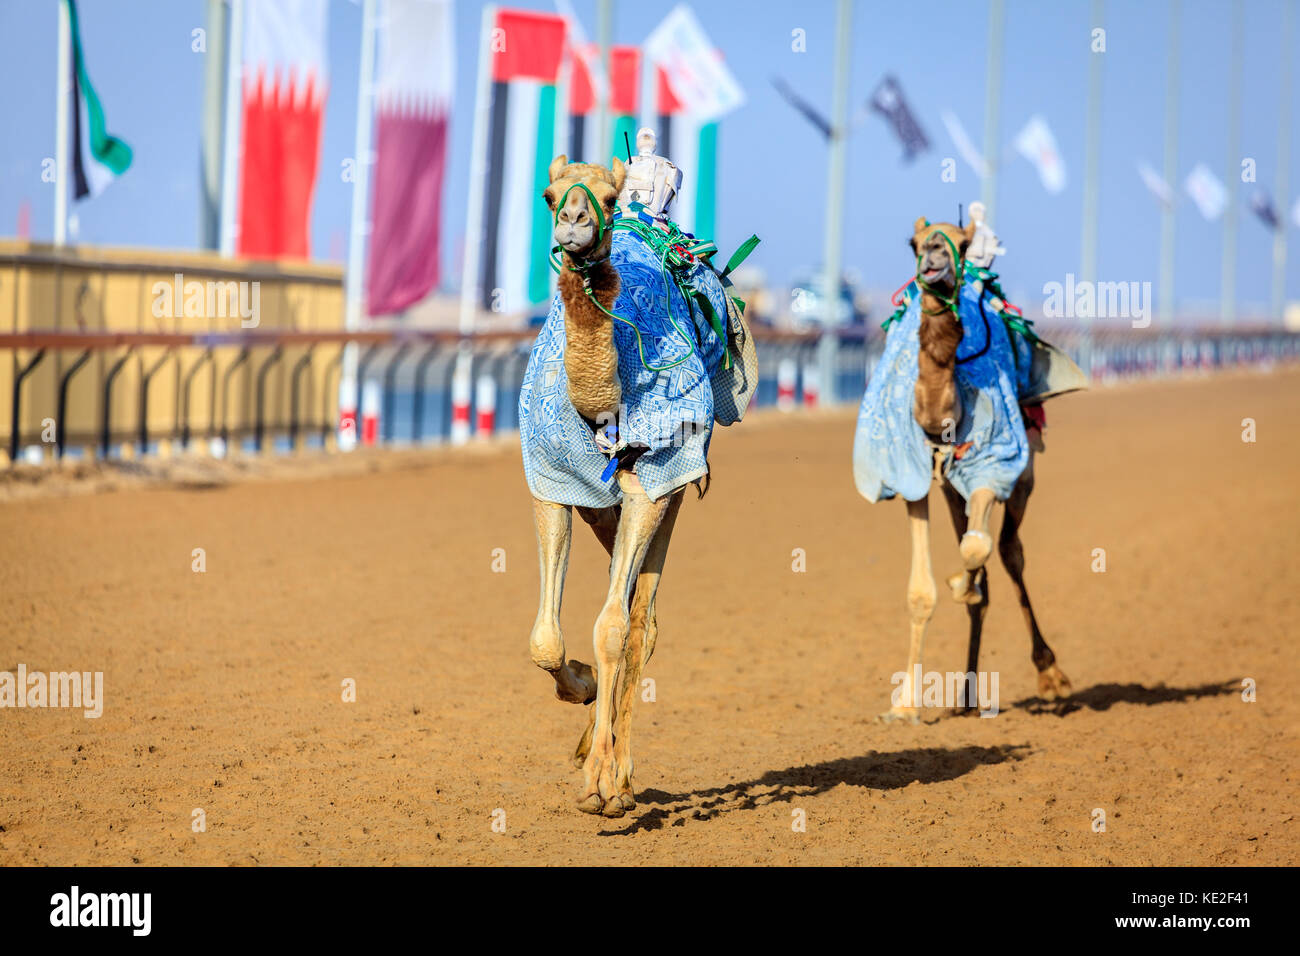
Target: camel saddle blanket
[[998, 370], [667, 415]]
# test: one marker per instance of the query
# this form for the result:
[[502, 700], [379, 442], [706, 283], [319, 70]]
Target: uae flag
[[526, 49], [284, 85], [692, 146], [413, 93], [624, 100], [97, 157], [582, 65]]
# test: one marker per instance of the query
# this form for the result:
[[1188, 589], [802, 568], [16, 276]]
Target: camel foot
[[963, 590], [599, 794], [1052, 683], [575, 683], [976, 546], [910, 715]]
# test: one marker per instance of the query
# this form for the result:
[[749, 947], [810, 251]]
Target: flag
[[97, 156], [690, 144], [1262, 205], [1157, 184], [889, 102], [693, 68], [805, 109], [1206, 191], [624, 100], [965, 147], [283, 90], [587, 84], [526, 49], [1037, 144], [413, 93]]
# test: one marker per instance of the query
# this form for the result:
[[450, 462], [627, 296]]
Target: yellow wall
[[85, 288]]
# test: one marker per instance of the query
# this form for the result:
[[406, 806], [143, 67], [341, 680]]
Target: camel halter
[[958, 268]]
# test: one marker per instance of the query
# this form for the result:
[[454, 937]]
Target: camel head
[[935, 244], [581, 197]]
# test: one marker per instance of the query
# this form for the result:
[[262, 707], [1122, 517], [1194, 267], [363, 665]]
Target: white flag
[[1037, 144], [1156, 183], [694, 70], [1207, 192], [963, 143]]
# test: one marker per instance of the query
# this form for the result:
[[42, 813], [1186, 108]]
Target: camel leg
[[972, 589], [573, 679], [1052, 682], [604, 525], [921, 597], [977, 544], [637, 525], [640, 645]]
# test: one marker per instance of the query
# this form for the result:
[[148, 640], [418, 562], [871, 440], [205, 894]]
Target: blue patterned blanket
[[671, 412], [890, 452]]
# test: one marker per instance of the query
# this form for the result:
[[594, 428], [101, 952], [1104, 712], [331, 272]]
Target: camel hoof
[[1052, 683], [613, 808], [575, 683], [591, 803], [909, 714], [976, 546], [626, 800], [961, 593]]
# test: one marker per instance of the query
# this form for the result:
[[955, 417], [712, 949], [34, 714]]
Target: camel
[[937, 407], [635, 531]]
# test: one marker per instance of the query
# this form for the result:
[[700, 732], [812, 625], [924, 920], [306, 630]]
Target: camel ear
[[968, 235], [557, 166], [620, 174], [921, 223]]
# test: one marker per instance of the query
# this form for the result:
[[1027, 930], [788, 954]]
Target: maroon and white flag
[[413, 94]]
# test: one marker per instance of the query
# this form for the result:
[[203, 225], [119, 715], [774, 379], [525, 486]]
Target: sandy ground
[[224, 688]]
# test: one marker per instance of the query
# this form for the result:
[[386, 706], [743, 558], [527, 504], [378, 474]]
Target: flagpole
[[469, 277], [230, 137], [214, 85], [835, 201], [1092, 156], [992, 110], [604, 40], [349, 387], [1278, 298], [1167, 233], [1228, 281], [62, 141]]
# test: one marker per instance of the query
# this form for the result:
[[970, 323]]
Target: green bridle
[[958, 268], [600, 214]]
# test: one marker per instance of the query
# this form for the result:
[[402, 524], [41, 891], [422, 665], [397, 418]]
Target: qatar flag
[[284, 85], [413, 93]]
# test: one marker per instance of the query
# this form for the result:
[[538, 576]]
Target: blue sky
[[773, 162]]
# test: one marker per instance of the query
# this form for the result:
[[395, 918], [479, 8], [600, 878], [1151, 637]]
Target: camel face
[[580, 227], [934, 244]]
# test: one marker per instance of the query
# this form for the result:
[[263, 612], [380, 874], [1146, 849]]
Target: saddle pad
[[891, 454], [670, 412]]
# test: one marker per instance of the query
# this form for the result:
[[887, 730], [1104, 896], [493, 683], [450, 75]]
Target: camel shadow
[[1103, 696], [876, 771]]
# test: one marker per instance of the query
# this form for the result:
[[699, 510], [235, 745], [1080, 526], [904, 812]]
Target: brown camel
[[636, 533], [940, 249]]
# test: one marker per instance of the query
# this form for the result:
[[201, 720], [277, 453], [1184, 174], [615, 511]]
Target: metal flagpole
[[349, 387], [214, 88], [230, 139], [1092, 157], [1228, 281], [835, 202], [992, 110], [604, 39], [1167, 233], [469, 277], [62, 141], [1278, 298]]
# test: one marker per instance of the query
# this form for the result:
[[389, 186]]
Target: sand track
[[223, 688]]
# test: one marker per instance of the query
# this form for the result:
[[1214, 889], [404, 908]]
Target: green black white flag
[[97, 157]]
